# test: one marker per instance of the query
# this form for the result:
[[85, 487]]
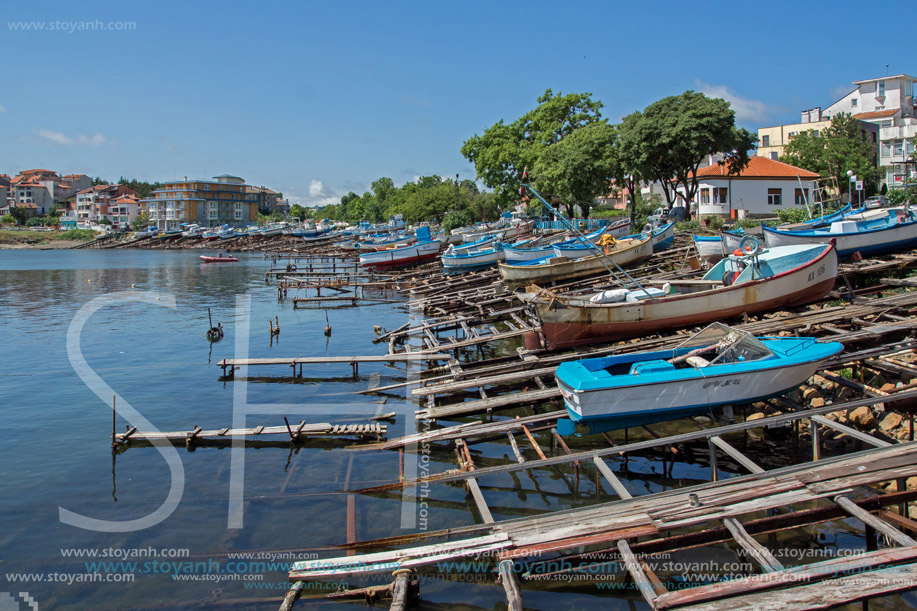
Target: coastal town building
[[4, 189], [761, 189], [209, 203], [885, 108], [93, 205], [772, 141], [39, 190]]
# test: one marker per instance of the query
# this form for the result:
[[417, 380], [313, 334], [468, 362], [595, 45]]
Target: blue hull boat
[[718, 366]]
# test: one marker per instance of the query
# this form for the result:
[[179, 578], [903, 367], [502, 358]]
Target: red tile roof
[[758, 167], [890, 112], [38, 171]]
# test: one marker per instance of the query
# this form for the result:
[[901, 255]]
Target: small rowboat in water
[[718, 366], [219, 259]]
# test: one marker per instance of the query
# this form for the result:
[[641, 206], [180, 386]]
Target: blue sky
[[319, 98]]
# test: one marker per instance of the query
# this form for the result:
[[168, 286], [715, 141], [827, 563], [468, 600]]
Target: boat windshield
[[726, 345]]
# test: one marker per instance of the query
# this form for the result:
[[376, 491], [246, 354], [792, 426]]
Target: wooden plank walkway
[[295, 432]]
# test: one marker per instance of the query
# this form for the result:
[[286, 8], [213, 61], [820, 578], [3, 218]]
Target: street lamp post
[[851, 180]]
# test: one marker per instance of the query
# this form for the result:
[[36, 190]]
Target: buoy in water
[[327, 325]]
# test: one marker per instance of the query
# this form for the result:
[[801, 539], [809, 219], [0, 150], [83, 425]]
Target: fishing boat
[[487, 254], [717, 366], [663, 237], [554, 269], [216, 233], [869, 232], [274, 229], [147, 233], [755, 281], [193, 231], [732, 240], [220, 258], [425, 249], [575, 248], [709, 248]]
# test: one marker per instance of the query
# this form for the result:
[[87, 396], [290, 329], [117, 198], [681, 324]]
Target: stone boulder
[[862, 417]]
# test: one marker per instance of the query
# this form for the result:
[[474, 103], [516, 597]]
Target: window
[[853, 102], [899, 147], [765, 140], [880, 89], [205, 187], [909, 146], [873, 137], [775, 197], [886, 149], [774, 155], [720, 195], [793, 135], [238, 215], [705, 196], [801, 196]]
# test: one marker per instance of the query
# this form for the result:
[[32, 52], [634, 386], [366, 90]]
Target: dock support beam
[[510, 585]]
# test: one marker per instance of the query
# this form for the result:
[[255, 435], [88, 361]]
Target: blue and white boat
[[709, 247], [663, 237], [575, 248], [485, 255], [869, 232], [718, 366]]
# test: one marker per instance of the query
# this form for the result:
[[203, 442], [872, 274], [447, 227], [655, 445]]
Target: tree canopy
[[579, 167], [673, 136], [504, 151], [425, 199], [840, 147]]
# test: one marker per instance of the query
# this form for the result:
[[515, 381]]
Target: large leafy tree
[[502, 153], [633, 163], [581, 166], [840, 147], [678, 133]]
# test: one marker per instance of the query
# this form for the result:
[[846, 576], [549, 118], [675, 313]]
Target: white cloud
[[316, 189], [2, 109], [93, 140], [746, 109], [57, 137], [60, 138]]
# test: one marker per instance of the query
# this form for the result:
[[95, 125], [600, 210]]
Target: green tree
[[297, 211], [504, 151], [456, 218], [840, 147], [581, 166], [677, 133], [141, 221]]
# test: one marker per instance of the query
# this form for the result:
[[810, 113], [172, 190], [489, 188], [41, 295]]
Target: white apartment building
[[889, 103]]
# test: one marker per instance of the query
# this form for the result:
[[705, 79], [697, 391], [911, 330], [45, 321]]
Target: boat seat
[[697, 361]]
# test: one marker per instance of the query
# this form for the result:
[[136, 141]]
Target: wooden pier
[[230, 365]]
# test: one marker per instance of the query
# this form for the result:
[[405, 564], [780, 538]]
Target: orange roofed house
[[209, 203], [761, 189]]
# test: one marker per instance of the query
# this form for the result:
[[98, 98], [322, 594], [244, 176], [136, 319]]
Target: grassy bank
[[14, 238]]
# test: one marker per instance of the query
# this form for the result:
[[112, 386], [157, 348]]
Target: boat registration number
[[818, 273], [723, 383]]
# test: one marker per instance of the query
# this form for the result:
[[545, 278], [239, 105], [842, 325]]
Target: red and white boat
[[219, 259], [426, 249], [753, 282]]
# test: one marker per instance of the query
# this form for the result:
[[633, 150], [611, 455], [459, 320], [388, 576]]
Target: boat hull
[[696, 392], [400, 257], [564, 324], [867, 242], [545, 273]]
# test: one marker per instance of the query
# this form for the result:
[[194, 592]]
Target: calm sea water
[[55, 443]]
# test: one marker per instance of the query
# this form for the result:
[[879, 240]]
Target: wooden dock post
[[510, 585], [401, 589]]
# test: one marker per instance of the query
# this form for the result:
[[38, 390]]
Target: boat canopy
[[720, 344]]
